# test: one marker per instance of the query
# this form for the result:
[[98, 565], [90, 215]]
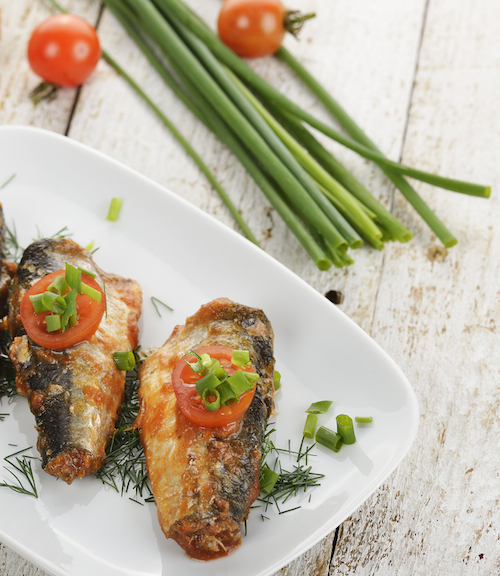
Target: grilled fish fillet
[[204, 480], [75, 394]]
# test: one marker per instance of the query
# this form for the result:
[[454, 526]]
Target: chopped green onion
[[363, 419], [124, 359], [91, 292], [239, 382], [73, 278], [251, 376], [89, 246], [59, 305], [319, 407], [53, 322], [88, 272], [48, 299], [209, 381], [310, 425], [209, 393], [268, 479], [345, 428], [329, 438], [240, 358], [59, 286], [37, 301], [114, 209], [277, 380], [227, 394], [69, 315], [196, 367]]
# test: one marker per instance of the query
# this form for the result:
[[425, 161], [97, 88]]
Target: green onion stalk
[[358, 142]]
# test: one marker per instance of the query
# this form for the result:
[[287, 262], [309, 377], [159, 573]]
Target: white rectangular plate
[[186, 258]]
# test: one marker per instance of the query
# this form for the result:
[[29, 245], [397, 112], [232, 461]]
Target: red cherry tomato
[[89, 313], [252, 28], [64, 50], [184, 384]]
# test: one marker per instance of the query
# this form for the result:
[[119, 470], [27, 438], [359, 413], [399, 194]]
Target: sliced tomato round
[[191, 404], [89, 314]]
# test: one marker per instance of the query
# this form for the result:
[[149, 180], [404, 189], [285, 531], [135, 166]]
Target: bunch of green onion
[[323, 204]]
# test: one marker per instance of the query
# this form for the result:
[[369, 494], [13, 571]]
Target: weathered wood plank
[[439, 320]]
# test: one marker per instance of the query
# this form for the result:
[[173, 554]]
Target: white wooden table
[[422, 77]]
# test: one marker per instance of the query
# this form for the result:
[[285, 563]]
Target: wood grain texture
[[421, 77], [439, 512]]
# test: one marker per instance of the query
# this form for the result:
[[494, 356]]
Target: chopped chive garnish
[[53, 322], [114, 209], [211, 399], [59, 305], [207, 382], [310, 425], [88, 272], [59, 286], [239, 382], [319, 407], [277, 380], [89, 246], [329, 438], [124, 359], [240, 358], [345, 428], [155, 300], [73, 278], [90, 292], [48, 299], [268, 479], [37, 302], [227, 394], [363, 419]]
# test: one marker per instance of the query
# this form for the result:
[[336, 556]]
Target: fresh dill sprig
[[13, 250], [3, 416], [24, 470], [125, 466], [288, 483], [7, 372], [155, 300]]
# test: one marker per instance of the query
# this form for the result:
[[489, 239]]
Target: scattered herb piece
[[7, 181], [124, 360], [288, 484], [345, 428], [329, 438], [363, 419], [319, 407], [310, 425], [155, 300], [24, 473], [114, 209]]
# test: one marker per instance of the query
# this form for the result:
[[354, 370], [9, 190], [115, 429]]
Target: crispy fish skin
[[75, 394], [204, 480]]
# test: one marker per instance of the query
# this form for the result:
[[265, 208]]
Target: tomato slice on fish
[[89, 315], [190, 402]]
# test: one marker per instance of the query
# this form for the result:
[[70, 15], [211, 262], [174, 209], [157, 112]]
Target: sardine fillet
[[204, 480], [75, 394]]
